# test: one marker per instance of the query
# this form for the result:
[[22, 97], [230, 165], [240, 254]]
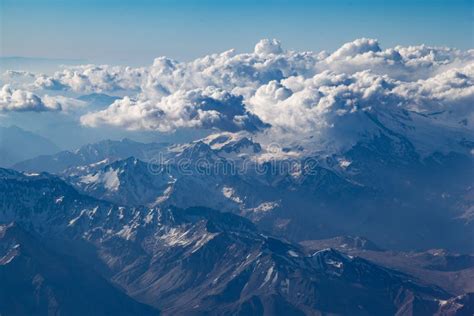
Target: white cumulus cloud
[[209, 108], [24, 101], [92, 78], [288, 90]]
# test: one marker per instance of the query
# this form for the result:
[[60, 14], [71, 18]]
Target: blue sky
[[136, 31]]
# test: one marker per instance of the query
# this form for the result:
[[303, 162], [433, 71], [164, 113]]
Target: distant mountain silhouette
[[16, 145]]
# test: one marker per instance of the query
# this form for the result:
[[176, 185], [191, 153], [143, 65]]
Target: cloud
[[242, 74], [292, 91], [208, 109], [18, 73], [404, 63], [267, 47], [301, 91], [92, 78], [298, 105], [449, 94], [25, 101], [358, 47], [334, 111], [227, 70], [304, 105], [49, 83]]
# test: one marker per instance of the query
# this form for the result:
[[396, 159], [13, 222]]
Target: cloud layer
[[92, 78], [287, 90]]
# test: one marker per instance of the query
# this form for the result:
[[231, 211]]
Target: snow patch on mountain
[[265, 207], [230, 193], [109, 179]]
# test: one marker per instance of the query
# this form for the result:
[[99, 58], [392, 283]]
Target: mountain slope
[[104, 151], [381, 188], [453, 272], [199, 260], [98, 100], [38, 281], [17, 144]]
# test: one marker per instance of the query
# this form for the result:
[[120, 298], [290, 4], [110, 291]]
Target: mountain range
[[17, 144], [393, 185], [236, 224], [181, 261]]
